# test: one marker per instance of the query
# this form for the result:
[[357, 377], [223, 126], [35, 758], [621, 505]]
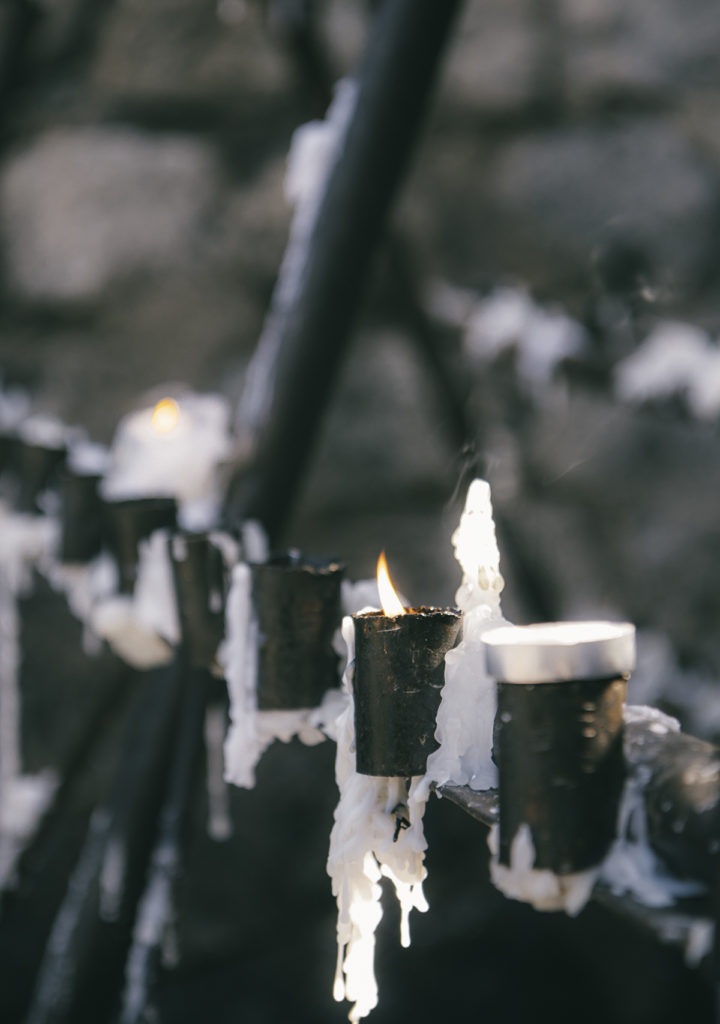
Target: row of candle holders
[[558, 731]]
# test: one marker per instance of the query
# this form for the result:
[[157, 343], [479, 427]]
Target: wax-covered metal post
[[297, 605], [128, 522], [559, 737]]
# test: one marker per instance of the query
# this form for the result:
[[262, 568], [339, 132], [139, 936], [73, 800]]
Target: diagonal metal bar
[[312, 311]]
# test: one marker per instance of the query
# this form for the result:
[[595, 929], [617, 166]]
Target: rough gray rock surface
[[84, 208]]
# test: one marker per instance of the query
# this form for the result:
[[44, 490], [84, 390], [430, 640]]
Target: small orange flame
[[391, 603], [165, 417]]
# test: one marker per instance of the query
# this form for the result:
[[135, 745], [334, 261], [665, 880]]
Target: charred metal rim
[[423, 611]]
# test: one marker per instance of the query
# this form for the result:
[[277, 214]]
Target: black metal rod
[[155, 906], [20, 18], [296, 24], [306, 333], [682, 797], [81, 972]]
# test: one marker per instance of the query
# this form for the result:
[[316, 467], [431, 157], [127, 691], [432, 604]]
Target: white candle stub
[[556, 651]]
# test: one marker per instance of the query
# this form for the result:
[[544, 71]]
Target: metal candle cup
[[81, 517], [297, 604], [559, 736], [200, 586], [130, 521], [399, 676], [36, 467], [9, 447]]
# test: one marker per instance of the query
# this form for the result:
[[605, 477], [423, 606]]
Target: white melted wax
[[378, 830], [143, 627]]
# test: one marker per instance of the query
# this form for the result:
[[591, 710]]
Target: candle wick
[[402, 821]]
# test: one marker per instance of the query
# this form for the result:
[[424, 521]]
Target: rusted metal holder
[[297, 605], [37, 468], [558, 737], [399, 676], [82, 969], [308, 326], [130, 521], [201, 584], [154, 908], [81, 517]]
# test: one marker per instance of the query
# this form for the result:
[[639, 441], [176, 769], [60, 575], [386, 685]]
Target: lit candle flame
[[165, 416], [391, 603]]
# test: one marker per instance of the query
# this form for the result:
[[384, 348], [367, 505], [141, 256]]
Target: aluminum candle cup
[[399, 676], [37, 467], [559, 736], [81, 517], [200, 586], [297, 604], [129, 522]]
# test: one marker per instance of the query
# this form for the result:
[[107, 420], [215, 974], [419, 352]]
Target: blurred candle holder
[[298, 609], [37, 467], [81, 517], [558, 739], [200, 578]]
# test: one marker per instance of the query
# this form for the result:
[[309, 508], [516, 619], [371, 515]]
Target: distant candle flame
[[391, 603], [165, 417]]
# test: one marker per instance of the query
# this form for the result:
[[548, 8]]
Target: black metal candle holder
[[399, 676], [559, 737], [298, 609], [128, 522], [9, 444], [81, 517], [37, 468], [200, 580]]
